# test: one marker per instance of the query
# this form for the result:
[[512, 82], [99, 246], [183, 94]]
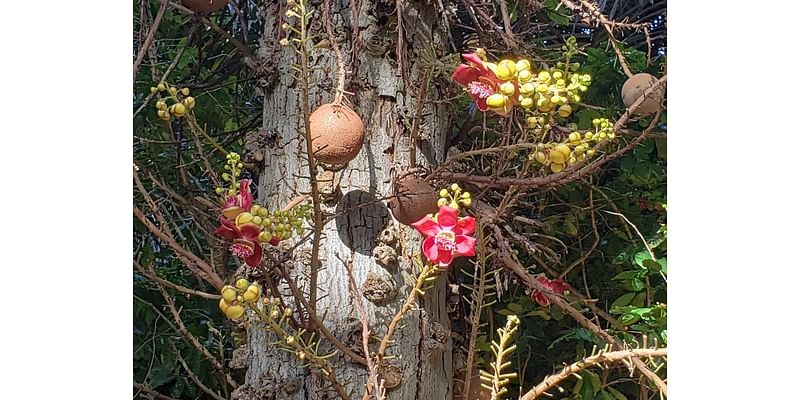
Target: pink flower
[[556, 286], [480, 81], [245, 240], [240, 203], [446, 237]]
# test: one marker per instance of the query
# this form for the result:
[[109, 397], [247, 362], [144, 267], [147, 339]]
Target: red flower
[[446, 237], [242, 202], [245, 240], [480, 81], [556, 286]]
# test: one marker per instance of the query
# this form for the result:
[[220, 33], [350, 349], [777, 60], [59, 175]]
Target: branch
[[151, 34], [601, 358]]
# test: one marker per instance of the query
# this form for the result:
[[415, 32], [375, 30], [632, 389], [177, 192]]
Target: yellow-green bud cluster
[[454, 196], [576, 148], [234, 298], [180, 99], [278, 223], [234, 167]]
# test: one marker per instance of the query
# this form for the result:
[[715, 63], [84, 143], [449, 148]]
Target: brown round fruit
[[414, 199], [337, 134], [635, 86], [205, 6]]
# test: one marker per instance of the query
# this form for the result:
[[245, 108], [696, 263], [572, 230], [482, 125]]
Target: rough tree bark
[[387, 106]]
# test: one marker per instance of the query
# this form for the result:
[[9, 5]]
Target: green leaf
[[616, 393], [623, 300], [629, 319], [558, 17], [639, 258]]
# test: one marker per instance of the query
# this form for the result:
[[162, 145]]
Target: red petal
[[466, 226], [430, 249], [227, 230], [464, 74], [447, 217], [473, 58], [445, 258], [250, 231], [427, 226], [255, 259], [558, 286], [465, 245], [481, 103], [274, 241], [540, 298], [247, 197]]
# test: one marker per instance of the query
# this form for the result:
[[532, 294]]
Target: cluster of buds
[[576, 148], [234, 298], [454, 197], [447, 235], [248, 224], [180, 99], [297, 9], [500, 86]]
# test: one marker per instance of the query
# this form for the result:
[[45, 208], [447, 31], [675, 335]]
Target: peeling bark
[[386, 106]]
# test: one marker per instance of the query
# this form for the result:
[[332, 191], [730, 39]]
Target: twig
[[192, 376], [183, 289], [426, 272], [601, 358], [380, 392], [506, 21], [477, 308], [151, 34], [151, 392]]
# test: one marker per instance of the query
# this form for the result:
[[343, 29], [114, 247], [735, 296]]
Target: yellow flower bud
[[526, 102], [228, 293], [178, 109], [563, 149], [523, 65], [565, 110], [497, 100], [527, 88], [574, 136], [467, 202], [524, 76], [556, 168], [544, 77], [506, 70], [540, 157], [252, 293], [290, 340], [223, 306], [444, 193], [265, 236], [556, 157], [235, 312], [508, 88], [257, 220], [532, 122], [161, 86], [454, 187], [185, 91], [189, 102], [441, 202], [242, 284], [243, 218]]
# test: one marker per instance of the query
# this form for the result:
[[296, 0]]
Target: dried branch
[[326, 17], [600, 358], [477, 307]]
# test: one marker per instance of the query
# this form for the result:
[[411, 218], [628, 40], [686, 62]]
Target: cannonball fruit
[[414, 199], [635, 86], [337, 134], [205, 6]]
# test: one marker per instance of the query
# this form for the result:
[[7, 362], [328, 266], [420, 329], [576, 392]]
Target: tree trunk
[[387, 106]]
